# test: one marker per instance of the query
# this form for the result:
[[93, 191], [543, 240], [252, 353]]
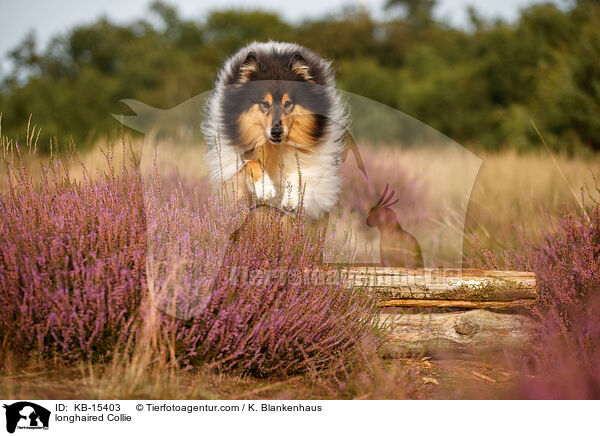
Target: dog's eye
[[266, 104], [287, 104]]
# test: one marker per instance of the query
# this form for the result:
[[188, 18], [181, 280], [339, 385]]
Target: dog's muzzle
[[276, 132]]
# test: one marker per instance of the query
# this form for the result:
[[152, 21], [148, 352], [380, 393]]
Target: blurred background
[[477, 73]]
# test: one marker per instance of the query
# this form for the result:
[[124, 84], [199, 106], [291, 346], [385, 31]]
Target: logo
[[26, 415]]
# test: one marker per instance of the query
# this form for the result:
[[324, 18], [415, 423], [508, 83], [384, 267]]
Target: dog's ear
[[300, 67], [248, 67]]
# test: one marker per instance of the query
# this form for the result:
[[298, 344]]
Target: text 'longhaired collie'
[[276, 128]]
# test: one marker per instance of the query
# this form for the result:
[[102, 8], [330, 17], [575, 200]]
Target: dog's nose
[[277, 130]]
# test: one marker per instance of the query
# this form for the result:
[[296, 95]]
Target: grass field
[[516, 203]]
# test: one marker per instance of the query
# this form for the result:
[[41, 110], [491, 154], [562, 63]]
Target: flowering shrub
[[78, 260], [250, 294], [72, 261], [565, 363], [567, 264]]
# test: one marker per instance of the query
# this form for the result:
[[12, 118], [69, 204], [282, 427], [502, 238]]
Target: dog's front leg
[[263, 186], [292, 195]]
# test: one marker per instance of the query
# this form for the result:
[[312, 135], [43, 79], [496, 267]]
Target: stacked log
[[450, 313]]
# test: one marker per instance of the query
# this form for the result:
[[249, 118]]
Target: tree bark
[[479, 334], [465, 304], [466, 285]]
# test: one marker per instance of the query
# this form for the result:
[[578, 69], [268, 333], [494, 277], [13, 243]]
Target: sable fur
[[315, 136]]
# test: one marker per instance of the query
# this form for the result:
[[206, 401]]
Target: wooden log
[[399, 284], [498, 305], [479, 334]]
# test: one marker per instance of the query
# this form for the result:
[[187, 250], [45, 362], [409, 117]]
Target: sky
[[48, 18]]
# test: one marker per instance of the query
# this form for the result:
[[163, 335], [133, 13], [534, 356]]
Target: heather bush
[[567, 263], [249, 291], [89, 267], [565, 361], [72, 260]]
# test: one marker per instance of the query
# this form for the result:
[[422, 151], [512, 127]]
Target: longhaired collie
[[276, 128]]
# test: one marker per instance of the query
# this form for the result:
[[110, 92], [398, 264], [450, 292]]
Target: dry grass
[[138, 379], [511, 190], [518, 195], [513, 195]]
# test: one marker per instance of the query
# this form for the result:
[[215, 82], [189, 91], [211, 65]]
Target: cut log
[[498, 305], [474, 334], [479, 334], [466, 285]]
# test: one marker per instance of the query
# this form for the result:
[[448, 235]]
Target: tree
[[417, 12]]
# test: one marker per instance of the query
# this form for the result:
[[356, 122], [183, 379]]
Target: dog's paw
[[290, 200], [264, 188]]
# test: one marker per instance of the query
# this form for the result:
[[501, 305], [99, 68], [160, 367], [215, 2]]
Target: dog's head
[[276, 98]]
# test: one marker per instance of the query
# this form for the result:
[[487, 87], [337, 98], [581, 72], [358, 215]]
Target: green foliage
[[418, 12], [481, 87]]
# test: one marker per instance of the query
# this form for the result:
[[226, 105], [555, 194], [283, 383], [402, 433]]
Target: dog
[[276, 129]]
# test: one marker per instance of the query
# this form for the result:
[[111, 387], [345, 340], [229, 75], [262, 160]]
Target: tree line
[[481, 85]]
